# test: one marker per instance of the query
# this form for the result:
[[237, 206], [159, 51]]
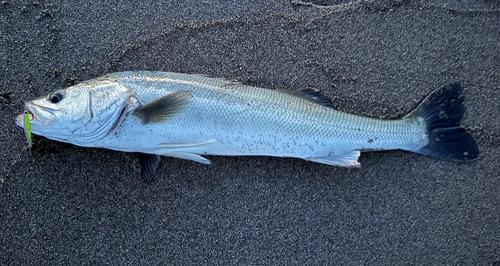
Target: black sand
[[65, 205]]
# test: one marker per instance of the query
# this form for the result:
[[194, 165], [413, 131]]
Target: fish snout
[[19, 120]]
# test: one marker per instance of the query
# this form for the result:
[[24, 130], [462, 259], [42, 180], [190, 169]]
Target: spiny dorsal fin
[[311, 95], [165, 108], [228, 81]]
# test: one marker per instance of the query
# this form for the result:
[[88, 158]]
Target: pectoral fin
[[343, 158], [165, 108], [149, 164]]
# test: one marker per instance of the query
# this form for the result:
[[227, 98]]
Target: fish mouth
[[41, 114]]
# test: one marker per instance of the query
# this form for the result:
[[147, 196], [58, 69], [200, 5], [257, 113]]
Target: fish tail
[[442, 112]]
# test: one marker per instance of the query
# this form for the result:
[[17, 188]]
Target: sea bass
[[188, 116]]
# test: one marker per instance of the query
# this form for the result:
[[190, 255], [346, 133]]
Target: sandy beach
[[66, 205]]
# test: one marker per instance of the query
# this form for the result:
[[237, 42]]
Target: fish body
[[227, 118], [188, 116]]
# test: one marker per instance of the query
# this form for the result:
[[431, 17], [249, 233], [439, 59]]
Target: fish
[[189, 116]]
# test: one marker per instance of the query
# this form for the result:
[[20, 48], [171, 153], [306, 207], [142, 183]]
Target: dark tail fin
[[442, 111]]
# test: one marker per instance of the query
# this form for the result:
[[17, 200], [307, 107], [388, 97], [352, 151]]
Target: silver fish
[[188, 116]]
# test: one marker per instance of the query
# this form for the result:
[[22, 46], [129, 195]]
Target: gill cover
[[107, 102]]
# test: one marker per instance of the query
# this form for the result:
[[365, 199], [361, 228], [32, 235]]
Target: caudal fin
[[442, 112]]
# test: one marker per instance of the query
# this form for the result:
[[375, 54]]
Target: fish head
[[80, 114]]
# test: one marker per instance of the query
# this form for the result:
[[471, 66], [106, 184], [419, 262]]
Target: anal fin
[[343, 158]]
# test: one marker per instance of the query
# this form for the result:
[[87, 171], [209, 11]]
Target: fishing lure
[[27, 127]]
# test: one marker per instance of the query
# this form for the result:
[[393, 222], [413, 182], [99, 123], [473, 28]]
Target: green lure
[[27, 127]]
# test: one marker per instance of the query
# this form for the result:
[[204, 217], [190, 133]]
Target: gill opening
[[118, 121], [90, 105]]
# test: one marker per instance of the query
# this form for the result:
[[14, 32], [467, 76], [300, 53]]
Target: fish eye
[[56, 96]]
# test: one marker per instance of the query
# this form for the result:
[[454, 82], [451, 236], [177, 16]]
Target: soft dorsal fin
[[165, 108], [311, 95]]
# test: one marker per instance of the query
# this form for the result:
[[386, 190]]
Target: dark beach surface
[[65, 205]]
